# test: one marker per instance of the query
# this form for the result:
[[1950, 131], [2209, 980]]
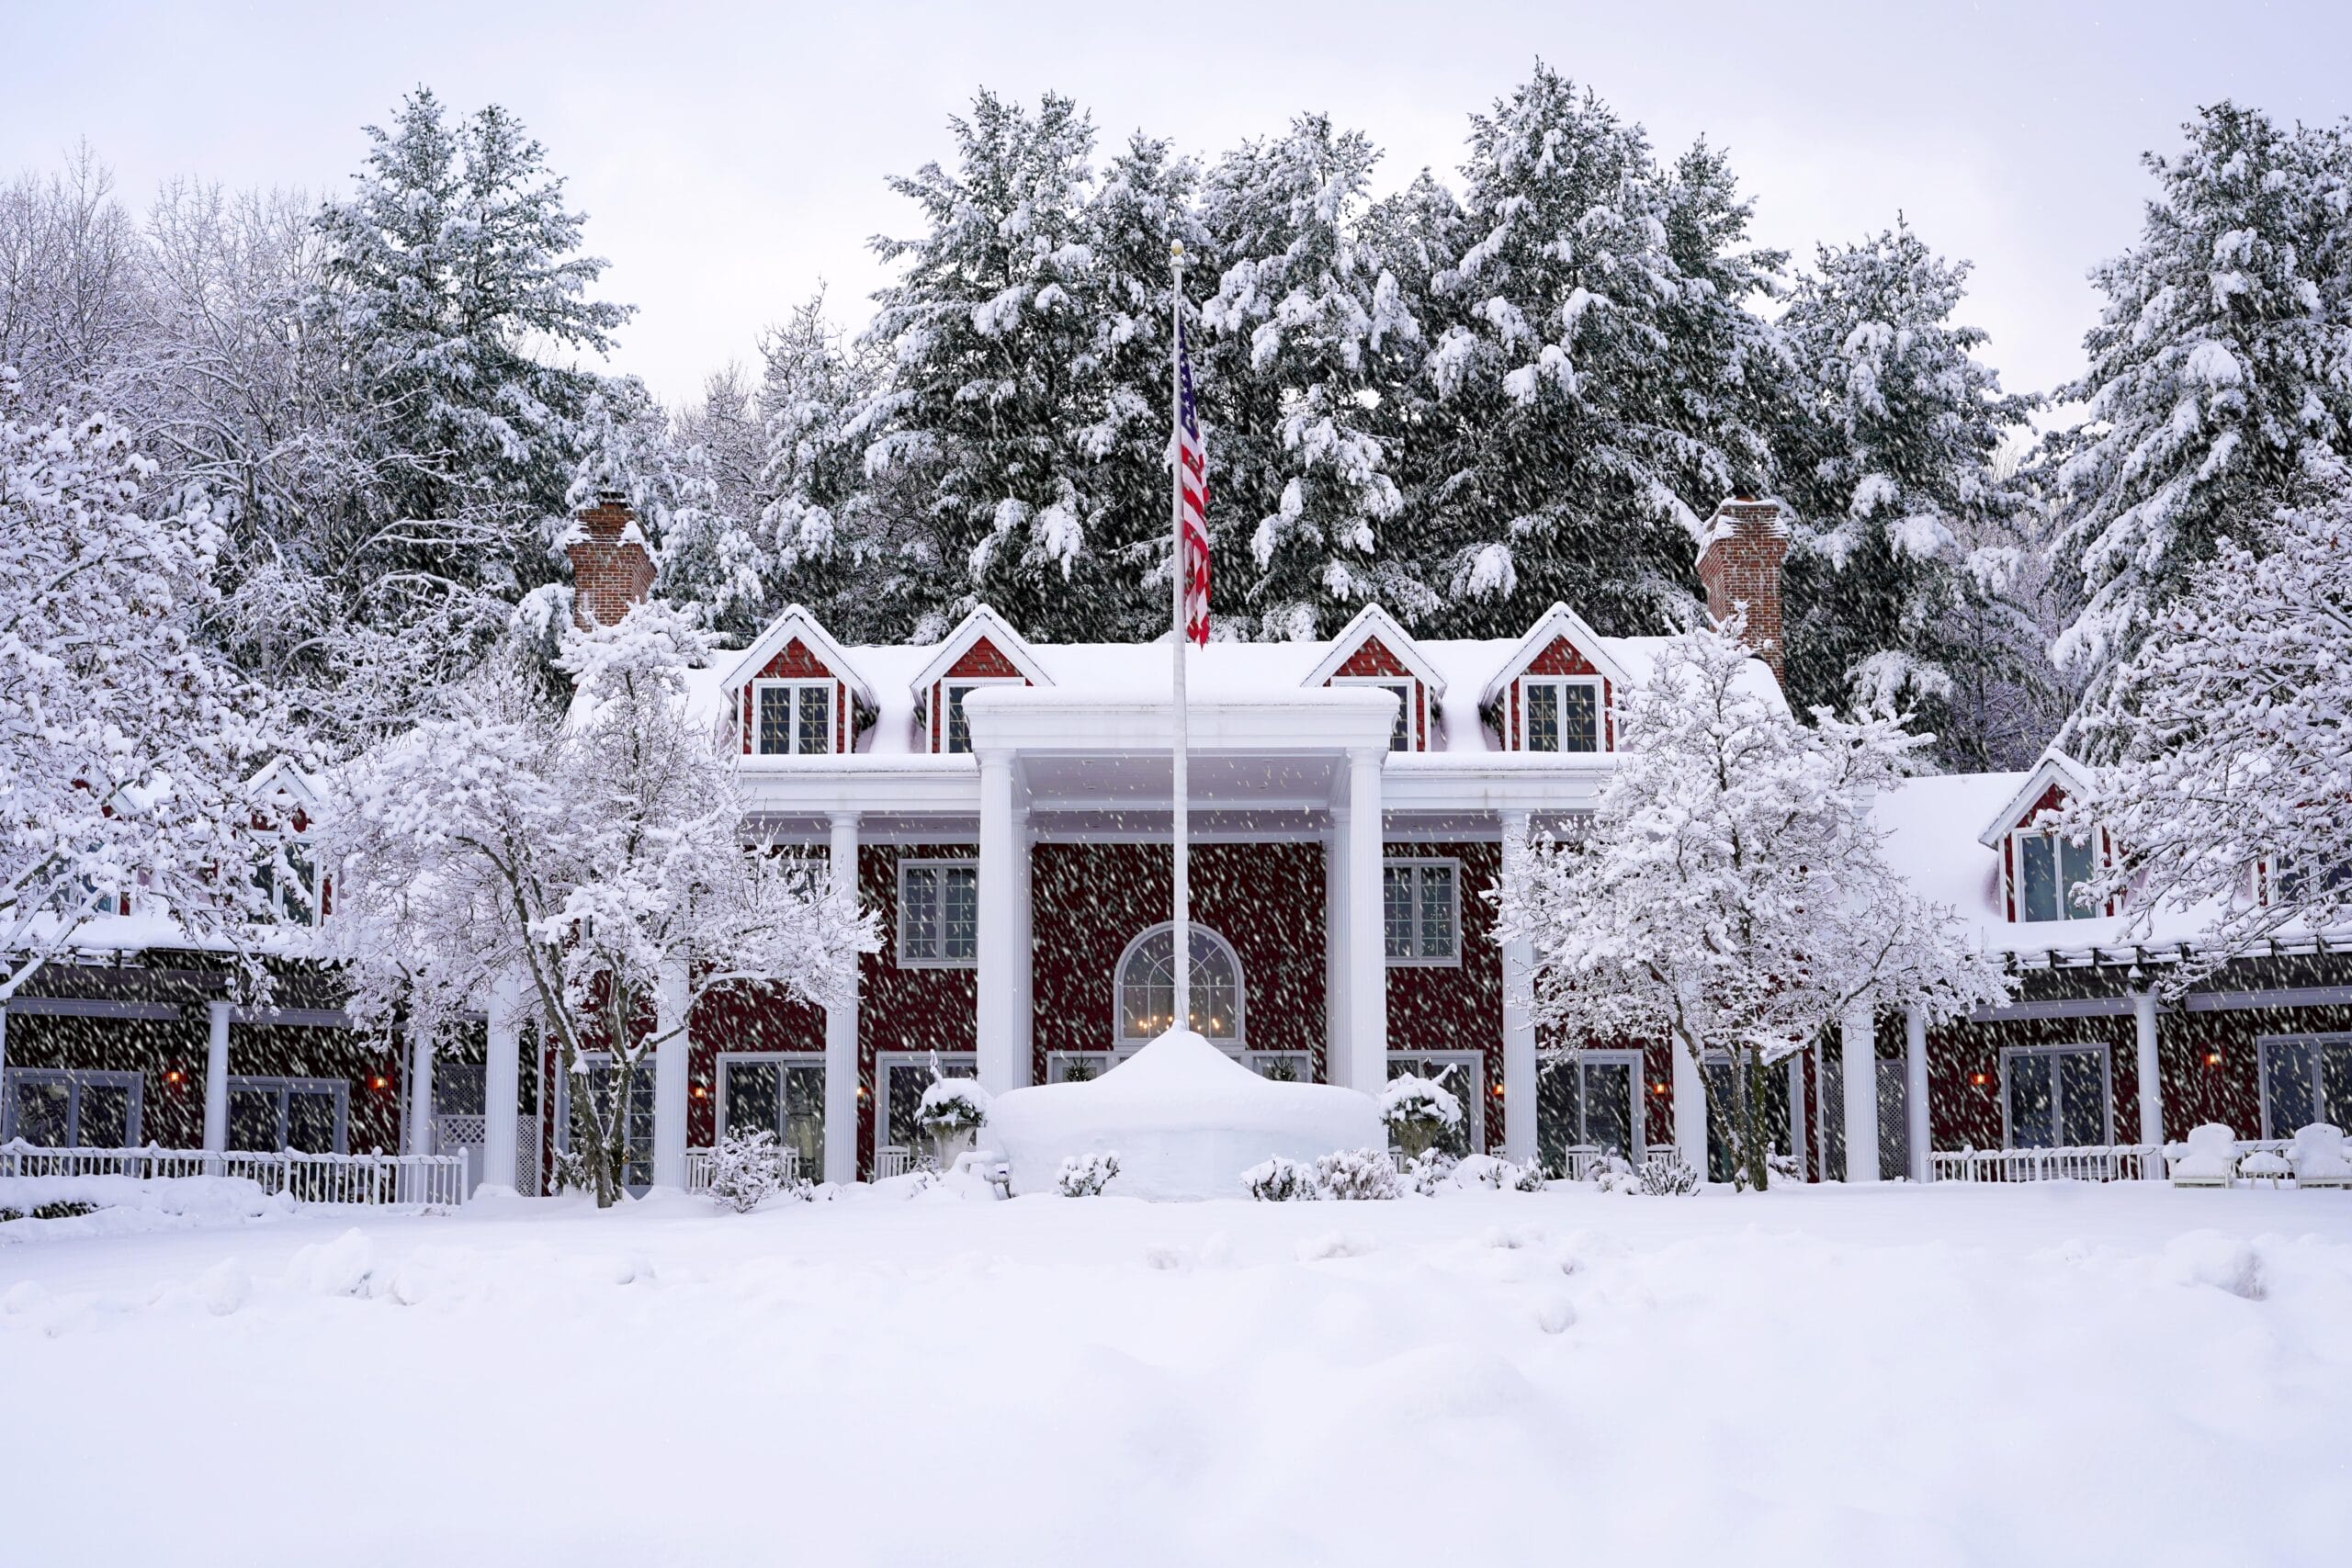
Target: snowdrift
[[1185, 1120]]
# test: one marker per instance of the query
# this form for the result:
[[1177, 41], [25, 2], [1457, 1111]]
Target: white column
[[3, 1047], [420, 1092], [501, 1085], [1917, 1128], [216, 1076], [1335, 947], [1860, 1084], [1519, 1001], [999, 931], [1690, 1109], [841, 1023], [1025, 950], [2151, 1086], [1367, 956], [671, 1059]]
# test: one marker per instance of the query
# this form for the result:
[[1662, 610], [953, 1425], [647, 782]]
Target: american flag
[[1192, 503]]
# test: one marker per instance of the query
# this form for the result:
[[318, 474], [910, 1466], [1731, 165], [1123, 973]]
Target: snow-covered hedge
[[746, 1169], [38, 1207], [1085, 1176], [1279, 1180], [1358, 1174]]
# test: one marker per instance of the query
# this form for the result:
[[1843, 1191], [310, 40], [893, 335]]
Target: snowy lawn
[[2057, 1374]]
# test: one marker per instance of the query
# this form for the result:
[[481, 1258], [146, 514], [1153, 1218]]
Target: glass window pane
[[776, 720], [959, 729], [44, 1112], [2335, 1084], [2286, 1088], [252, 1119], [2037, 879], [2033, 1120], [919, 912], [908, 1080], [2076, 861], [815, 725], [310, 1121], [102, 1120], [750, 1101], [1400, 738], [960, 928], [1580, 717], [1542, 717], [1558, 1116], [804, 1115], [1437, 911], [1607, 1101], [1397, 907], [2082, 1098]]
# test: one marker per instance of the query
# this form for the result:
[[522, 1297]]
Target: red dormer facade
[[1559, 691], [983, 650], [794, 692], [2040, 866], [1372, 650]]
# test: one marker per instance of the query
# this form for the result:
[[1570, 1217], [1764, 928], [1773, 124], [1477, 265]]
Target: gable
[[981, 661], [1558, 657], [796, 660], [1373, 661]]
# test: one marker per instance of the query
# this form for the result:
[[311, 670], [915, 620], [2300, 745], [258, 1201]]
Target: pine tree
[[1890, 458], [994, 373], [454, 276], [2217, 385], [1308, 333], [1578, 435]]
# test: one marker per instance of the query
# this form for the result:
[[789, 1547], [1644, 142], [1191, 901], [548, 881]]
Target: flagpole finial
[[1176, 249]]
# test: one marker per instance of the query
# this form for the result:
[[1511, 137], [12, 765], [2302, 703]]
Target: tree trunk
[[1755, 1144]]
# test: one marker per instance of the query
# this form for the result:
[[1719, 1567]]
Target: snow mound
[[127, 1205], [1185, 1120]]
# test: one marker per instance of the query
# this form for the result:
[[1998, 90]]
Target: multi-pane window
[[2305, 1078], [1401, 734], [1562, 715], [1422, 911], [1147, 988], [792, 718], [1588, 1101], [291, 882], [2049, 865], [307, 1115], [2055, 1096], [782, 1095], [1461, 1074], [55, 1109], [939, 919]]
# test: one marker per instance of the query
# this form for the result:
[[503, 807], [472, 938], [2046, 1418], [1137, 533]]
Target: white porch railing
[[375, 1180], [2088, 1162], [698, 1169], [892, 1159]]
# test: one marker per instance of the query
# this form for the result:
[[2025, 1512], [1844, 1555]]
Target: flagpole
[[1181, 928]]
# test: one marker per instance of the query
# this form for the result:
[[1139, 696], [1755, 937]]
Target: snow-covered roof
[[1370, 622], [797, 622], [1220, 672], [1554, 623], [2055, 768]]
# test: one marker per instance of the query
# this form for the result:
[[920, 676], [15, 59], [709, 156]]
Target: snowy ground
[[2054, 1374]]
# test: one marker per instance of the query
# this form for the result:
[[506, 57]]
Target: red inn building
[[1005, 807]]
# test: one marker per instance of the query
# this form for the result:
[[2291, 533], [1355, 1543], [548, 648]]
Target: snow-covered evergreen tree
[[1581, 422], [1890, 458], [1730, 894], [125, 743], [1305, 334], [2231, 788], [2217, 386], [454, 281], [597, 858]]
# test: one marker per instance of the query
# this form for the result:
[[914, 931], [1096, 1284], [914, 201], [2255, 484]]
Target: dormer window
[[1400, 736], [792, 718], [2049, 865], [952, 695], [1562, 713], [289, 880]]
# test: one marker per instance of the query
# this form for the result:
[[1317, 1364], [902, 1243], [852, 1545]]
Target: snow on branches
[[603, 859], [2233, 790], [1731, 895], [125, 744]]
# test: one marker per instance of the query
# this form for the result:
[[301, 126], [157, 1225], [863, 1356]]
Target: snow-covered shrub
[[1785, 1168], [952, 1111], [1356, 1174], [64, 1210], [1418, 1111], [1085, 1176], [1281, 1180], [1430, 1170], [568, 1172], [1613, 1173], [1499, 1175], [1664, 1176], [746, 1169]]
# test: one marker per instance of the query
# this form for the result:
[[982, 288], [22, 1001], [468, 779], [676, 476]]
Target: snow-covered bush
[[1785, 1168], [1418, 1111], [1357, 1174], [1429, 1170], [1085, 1176], [746, 1169], [1613, 1173], [952, 1111], [1499, 1175], [68, 1210], [1664, 1176], [1281, 1180]]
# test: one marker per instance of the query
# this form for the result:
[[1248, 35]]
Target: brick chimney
[[610, 570], [1739, 562]]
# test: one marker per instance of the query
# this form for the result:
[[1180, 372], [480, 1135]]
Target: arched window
[[1146, 992]]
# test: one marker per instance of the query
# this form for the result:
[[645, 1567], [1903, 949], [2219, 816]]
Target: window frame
[[1124, 1044], [75, 1080], [299, 853], [1636, 1086], [951, 1064], [2105, 1055], [2318, 1045], [286, 1087], [2067, 911], [1416, 960], [947, 685], [1406, 737], [907, 959], [1598, 685], [1057, 1063], [780, 1060], [1472, 1064], [797, 686]]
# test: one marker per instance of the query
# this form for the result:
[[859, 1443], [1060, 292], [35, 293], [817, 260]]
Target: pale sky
[[730, 157]]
